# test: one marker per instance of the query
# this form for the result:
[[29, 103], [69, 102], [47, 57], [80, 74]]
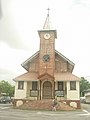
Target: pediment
[[46, 76]]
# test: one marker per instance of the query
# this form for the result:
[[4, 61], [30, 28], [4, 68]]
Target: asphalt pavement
[[7, 113]]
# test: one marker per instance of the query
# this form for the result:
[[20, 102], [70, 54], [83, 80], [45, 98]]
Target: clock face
[[46, 58], [47, 36]]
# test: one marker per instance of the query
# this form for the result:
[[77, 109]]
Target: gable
[[62, 64], [46, 76], [31, 64]]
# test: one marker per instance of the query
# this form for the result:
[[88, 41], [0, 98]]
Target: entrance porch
[[46, 89]]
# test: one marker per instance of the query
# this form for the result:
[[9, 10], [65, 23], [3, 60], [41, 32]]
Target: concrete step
[[44, 105]]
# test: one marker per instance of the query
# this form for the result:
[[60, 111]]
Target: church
[[49, 73]]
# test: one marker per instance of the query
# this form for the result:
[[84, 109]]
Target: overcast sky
[[20, 21]]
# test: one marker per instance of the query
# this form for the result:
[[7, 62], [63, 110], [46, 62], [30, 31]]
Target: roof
[[66, 76], [29, 76], [33, 76]]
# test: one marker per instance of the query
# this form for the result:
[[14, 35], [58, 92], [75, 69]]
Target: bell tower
[[47, 48]]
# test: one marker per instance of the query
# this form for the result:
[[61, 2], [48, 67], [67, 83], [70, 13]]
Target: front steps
[[44, 105]]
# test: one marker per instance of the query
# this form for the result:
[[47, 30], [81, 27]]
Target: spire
[[47, 24]]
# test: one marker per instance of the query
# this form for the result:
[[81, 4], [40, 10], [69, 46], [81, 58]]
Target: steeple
[[47, 24]]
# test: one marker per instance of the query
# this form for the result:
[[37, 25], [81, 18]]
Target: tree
[[7, 88], [84, 85]]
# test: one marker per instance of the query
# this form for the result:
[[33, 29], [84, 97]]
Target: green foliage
[[7, 88], [84, 85]]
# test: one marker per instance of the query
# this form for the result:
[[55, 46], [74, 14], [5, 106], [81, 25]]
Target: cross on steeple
[[47, 21]]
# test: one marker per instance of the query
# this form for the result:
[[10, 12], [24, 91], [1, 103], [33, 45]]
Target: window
[[60, 86], [72, 85], [20, 84], [34, 85]]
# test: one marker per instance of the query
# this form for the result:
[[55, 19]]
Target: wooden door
[[47, 90]]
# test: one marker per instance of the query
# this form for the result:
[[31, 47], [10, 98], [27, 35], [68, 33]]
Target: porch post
[[53, 89], [25, 87], [40, 90]]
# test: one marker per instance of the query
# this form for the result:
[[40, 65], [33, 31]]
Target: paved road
[[7, 113], [86, 107]]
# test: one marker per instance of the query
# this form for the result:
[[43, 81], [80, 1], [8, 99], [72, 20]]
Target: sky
[[21, 19]]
